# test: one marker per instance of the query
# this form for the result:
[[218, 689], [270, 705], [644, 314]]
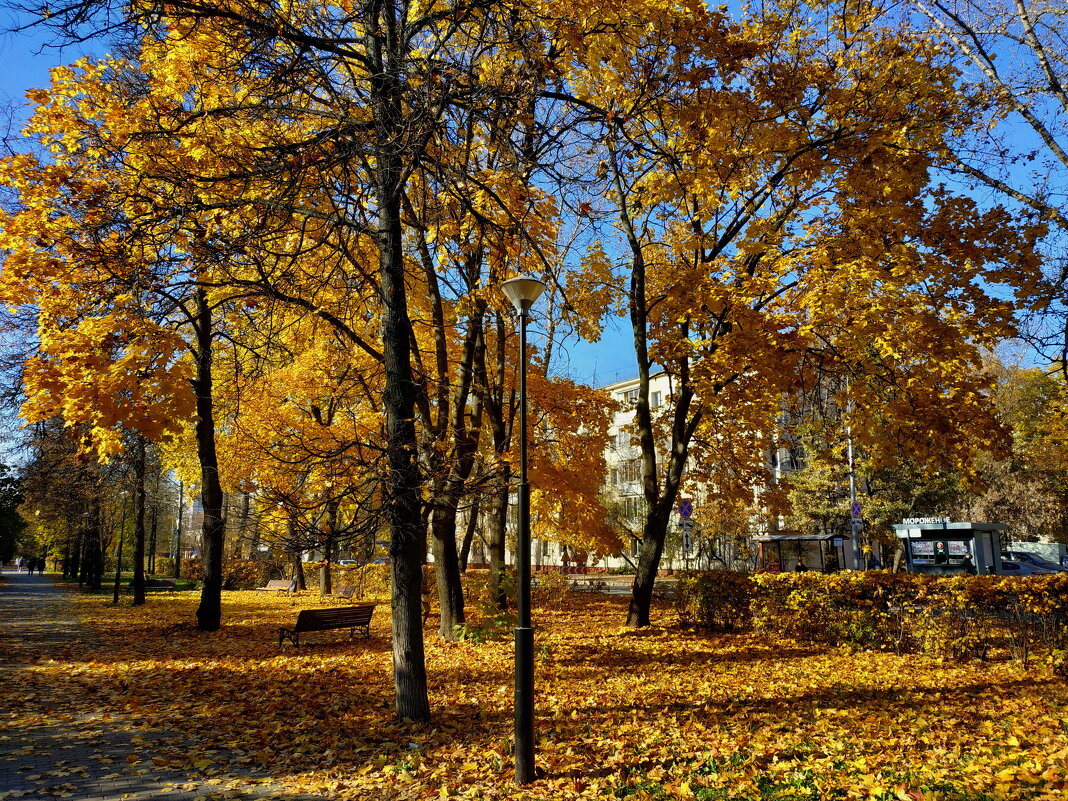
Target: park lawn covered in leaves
[[656, 713]]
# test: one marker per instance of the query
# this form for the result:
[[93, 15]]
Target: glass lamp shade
[[523, 291]]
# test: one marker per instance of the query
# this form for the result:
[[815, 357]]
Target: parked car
[[1010, 567], [1033, 559], [347, 562]]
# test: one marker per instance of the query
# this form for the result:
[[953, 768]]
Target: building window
[[622, 439], [654, 400], [613, 476], [631, 397], [632, 470], [635, 547], [634, 507]]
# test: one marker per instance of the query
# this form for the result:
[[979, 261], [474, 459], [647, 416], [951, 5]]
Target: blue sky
[[25, 64]]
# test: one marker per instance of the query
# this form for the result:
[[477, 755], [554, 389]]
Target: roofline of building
[[628, 381]]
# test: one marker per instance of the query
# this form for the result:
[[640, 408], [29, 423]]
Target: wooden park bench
[[279, 585], [353, 618], [344, 591], [156, 585]]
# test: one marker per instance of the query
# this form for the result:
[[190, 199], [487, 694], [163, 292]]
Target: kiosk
[[936, 546], [825, 553]]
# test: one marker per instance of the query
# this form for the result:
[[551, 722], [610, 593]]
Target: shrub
[[551, 589], [957, 616], [719, 601], [238, 574]]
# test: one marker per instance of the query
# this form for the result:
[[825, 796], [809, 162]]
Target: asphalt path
[[48, 750]]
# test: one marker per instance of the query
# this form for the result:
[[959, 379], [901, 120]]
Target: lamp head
[[522, 291]]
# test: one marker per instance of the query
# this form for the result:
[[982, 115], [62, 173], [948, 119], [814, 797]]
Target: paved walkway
[[48, 752]]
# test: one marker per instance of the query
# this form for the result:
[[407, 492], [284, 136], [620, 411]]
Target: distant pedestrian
[[18, 565], [968, 565], [40, 566], [800, 567]]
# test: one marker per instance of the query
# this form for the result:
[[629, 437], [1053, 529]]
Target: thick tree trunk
[[641, 597], [209, 613], [393, 130]]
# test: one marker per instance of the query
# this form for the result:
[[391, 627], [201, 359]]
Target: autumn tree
[[357, 94], [1024, 487], [771, 179]]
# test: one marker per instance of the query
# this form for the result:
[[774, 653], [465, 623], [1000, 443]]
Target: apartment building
[[758, 541]]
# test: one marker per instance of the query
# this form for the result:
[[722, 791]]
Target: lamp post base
[[524, 705]]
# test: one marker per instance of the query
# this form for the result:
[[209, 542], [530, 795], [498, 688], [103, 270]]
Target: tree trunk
[[153, 526], [641, 597], [496, 520], [178, 532], [392, 132], [325, 583], [139, 524], [153, 536], [447, 568], [242, 526], [72, 566], [469, 534], [94, 562], [328, 539], [209, 613], [299, 580]]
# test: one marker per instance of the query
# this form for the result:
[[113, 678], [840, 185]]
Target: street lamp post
[[522, 292]]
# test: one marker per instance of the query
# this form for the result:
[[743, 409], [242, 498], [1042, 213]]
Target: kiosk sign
[[925, 521]]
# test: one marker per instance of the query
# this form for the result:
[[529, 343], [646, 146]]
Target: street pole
[[522, 292]]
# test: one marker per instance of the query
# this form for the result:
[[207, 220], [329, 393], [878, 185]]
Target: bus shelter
[[783, 552], [935, 545]]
